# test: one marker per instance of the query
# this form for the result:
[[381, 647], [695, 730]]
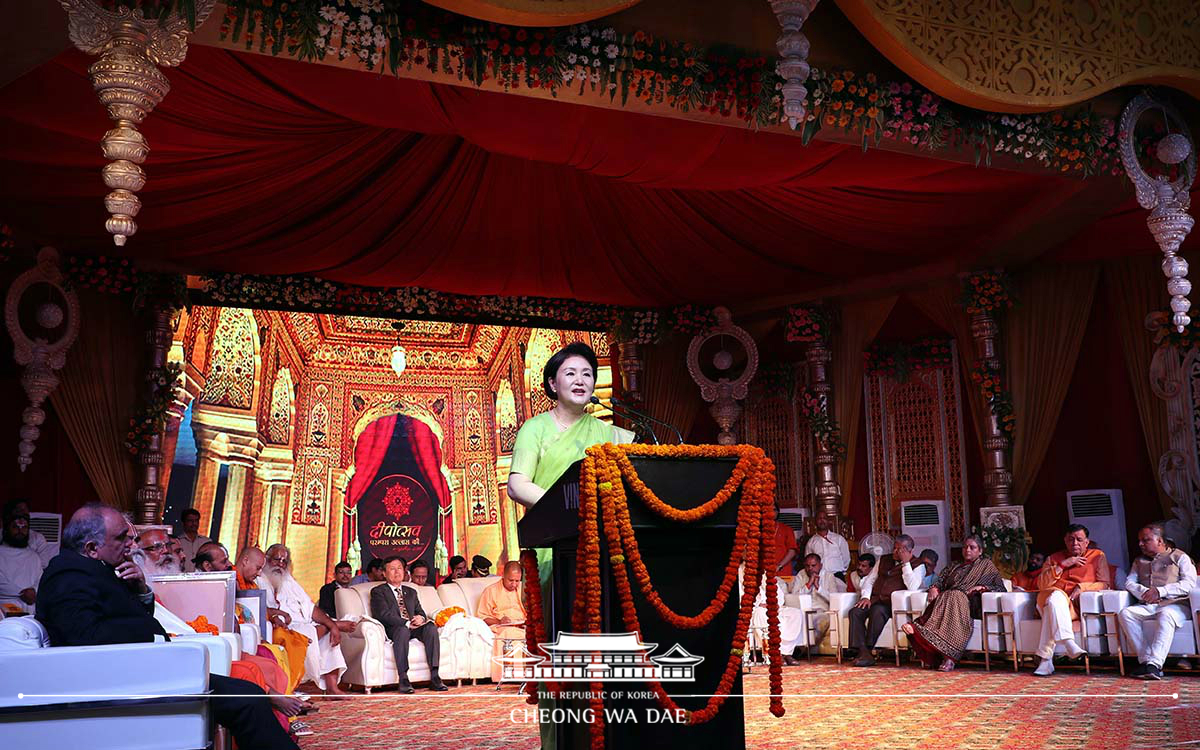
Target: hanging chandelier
[[399, 359]]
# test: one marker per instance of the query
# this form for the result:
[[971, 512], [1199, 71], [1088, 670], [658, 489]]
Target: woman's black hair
[[550, 371]]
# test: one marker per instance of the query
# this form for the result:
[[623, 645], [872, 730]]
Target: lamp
[[399, 358]]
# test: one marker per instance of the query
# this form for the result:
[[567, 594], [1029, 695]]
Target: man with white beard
[[323, 663], [153, 554]]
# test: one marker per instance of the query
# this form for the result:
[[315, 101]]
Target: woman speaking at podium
[[549, 443]]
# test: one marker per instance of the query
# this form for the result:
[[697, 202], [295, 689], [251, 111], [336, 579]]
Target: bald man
[[94, 594], [212, 556]]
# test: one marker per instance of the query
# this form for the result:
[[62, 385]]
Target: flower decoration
[[443, 615], [986, 375], [605, 474], [723, 81], [824, 428], [987, 292], [691, 320], [1007, 546], [810, 323], [101, 273], [151, 418], [898, 359]]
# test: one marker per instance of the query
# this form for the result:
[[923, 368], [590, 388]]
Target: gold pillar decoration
[[728, 388], [997, 475], [631, 365], [1167, 200], [793, 48], [148, 506], [129, 84], [828, 496]]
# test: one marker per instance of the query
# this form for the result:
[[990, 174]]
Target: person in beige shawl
[[501, 607]]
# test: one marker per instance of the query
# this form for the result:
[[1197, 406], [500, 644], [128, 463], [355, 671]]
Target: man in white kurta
[[791, 622], [830, 545], [20, 566], [323, 662], [1161, 580], [810, 591]]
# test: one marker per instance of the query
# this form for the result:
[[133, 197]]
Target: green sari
[[542, 453]]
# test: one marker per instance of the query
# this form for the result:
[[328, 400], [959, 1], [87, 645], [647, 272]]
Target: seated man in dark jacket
[[93, 594]]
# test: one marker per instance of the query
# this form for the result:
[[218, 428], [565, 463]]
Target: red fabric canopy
[[266, 165]]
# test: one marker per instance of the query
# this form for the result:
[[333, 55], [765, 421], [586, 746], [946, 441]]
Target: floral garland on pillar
[[991, 293], [809, 324], [605, 471], [151, 418]]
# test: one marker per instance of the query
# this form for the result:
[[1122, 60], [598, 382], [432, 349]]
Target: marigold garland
[[605, 472], [535, 624]]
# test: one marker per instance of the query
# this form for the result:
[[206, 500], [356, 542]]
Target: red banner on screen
[[397, 517]]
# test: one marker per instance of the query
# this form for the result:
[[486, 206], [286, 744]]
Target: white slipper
[[1045, 669]]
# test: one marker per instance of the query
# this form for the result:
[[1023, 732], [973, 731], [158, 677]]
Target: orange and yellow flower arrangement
[[604, 475]]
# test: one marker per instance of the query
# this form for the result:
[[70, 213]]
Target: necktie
[[400, 601]]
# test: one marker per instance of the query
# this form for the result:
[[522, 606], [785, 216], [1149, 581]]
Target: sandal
[[947, 665]]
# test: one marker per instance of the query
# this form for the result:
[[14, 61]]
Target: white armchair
[[840, 605], [370, 661], [1019, 616], [1185, 643], [95, 715]]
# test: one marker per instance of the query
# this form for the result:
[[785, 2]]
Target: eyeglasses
[[155, 547], [278, 560]]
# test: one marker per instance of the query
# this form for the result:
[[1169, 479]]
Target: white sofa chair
[[1185, 643], [1019, 617], [97, 714], [370, 661]]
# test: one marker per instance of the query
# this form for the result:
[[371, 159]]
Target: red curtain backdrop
[[427, 452], [1097, 442], [369, 452], [265, 165]]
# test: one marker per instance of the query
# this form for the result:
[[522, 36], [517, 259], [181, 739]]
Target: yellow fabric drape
[[859, 324], [1044, 333], [940, 303], [1135, 289], [668, 391], [98, 394]]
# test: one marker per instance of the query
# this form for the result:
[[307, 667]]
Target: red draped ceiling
[[272, 166]]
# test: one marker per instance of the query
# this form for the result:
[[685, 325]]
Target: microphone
[[629, 407], [621, 413]]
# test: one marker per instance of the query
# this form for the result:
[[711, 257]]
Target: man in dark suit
[[399, 609], [93, 594], [341, 580]]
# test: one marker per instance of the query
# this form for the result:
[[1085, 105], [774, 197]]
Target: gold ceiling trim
[[535, 12], [1034, 55]]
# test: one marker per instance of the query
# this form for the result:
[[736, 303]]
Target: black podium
[[686, 564]]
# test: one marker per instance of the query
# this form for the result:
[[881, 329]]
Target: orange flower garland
[[202, 625], [535, 627], [604, 474]]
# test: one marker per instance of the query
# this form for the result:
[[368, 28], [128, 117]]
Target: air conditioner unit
[[794, 519], [50, 524], [928, 523], [1103, 513]]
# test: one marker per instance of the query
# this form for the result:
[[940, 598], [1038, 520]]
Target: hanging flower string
[[405, 34], [535, 628], [999, 401], [823, 427], [605, 472], [899, 359]]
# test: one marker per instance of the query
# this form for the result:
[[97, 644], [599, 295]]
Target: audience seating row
[[370, 661]]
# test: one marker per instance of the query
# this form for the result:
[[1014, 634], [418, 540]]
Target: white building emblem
[[598, 657]]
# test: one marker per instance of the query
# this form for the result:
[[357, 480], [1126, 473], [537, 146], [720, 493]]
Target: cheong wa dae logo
[[597, 657]]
